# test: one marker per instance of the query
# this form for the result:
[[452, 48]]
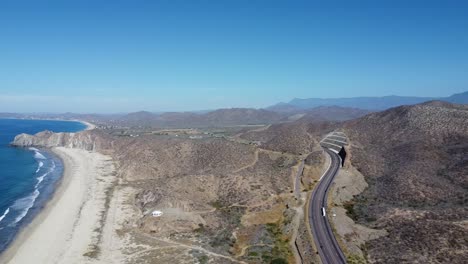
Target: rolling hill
[[414, 160]]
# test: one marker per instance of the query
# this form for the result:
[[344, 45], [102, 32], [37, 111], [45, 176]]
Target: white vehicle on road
[[157, 213]]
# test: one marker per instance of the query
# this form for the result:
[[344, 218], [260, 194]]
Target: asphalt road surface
[[327, 246]]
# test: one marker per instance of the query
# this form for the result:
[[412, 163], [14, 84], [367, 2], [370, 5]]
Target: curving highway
[[327, 246]]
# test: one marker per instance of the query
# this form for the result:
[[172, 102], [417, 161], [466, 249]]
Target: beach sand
[[89, 126], [74, 226]]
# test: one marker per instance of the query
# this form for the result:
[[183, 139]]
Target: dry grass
[[414, 160]]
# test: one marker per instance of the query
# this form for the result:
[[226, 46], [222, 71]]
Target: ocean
[[28, 176]]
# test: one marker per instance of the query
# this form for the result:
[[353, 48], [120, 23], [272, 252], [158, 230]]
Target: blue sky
[[120, 56]]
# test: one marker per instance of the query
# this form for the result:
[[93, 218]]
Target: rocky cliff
[[88, 140]]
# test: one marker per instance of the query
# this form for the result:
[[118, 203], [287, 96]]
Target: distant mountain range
[[311, 110], [368, 103], [216, 118]]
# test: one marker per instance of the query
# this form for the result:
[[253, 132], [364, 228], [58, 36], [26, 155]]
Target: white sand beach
[[70, 228], [89, 126]]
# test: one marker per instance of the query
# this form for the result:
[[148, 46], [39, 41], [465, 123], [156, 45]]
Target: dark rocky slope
[[415, 161]]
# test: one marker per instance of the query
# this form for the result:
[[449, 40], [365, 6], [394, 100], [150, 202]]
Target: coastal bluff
[[86, 140]]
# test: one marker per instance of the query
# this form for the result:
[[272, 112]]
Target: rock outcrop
[[88, 140]]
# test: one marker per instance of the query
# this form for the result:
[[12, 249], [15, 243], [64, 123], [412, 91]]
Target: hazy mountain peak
[[369, 103]]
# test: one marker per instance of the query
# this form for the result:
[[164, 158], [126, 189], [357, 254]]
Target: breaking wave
[[5, 213], [24, 204], [37, 154], [41, 178], [39, 166]]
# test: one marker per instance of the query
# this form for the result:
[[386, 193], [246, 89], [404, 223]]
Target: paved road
[[328, 248]]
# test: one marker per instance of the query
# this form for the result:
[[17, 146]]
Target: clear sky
[[120, 56]]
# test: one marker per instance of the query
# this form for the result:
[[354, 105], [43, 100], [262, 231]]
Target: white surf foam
[[39, 166], [24, 204], [37, 154], [5, 213], [41, 178]]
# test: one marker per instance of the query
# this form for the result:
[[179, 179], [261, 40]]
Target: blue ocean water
[[27, 175]]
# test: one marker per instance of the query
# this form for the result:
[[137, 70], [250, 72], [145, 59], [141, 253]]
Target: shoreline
[[29, 228], [89, 126], [63, 231]]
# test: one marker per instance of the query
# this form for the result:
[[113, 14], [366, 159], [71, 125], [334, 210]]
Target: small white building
[[156, 213]]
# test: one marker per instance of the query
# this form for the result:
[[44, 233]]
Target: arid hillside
[[334, 113], [216, 118], [223, 201], [238, 116], [415, 161], [298, 137], [231, 199]]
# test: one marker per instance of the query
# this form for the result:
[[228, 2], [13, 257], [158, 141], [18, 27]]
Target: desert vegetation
[[412, 158]]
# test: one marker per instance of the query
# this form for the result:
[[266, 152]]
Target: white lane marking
[[329, 165]]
